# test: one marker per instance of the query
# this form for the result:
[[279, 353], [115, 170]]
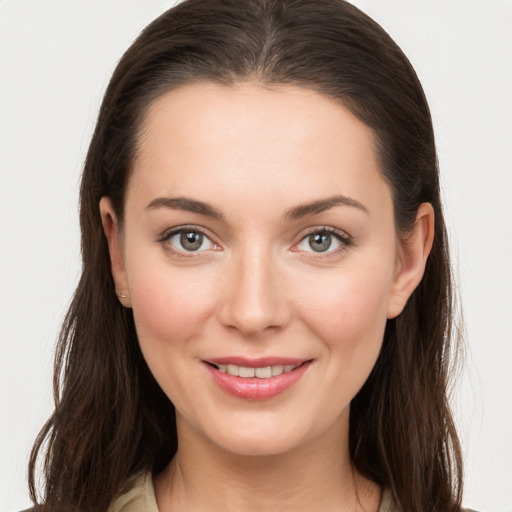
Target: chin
[[261, 446], [266, 437]]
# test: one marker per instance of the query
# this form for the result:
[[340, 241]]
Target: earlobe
[[112, 233], [413, 251]]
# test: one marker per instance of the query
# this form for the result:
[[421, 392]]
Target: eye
[[324, 241], [187, 240]]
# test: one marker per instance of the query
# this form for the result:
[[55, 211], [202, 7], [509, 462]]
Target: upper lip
[[259, 362]]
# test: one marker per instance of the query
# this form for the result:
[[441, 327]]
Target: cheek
[[349, 318], [348, 312], [170, 305], [170, 314]]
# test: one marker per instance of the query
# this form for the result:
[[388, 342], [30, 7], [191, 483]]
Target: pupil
[[320, 242], [191, 240]]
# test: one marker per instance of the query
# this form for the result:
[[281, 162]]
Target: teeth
[[277, 370], [246, 372], [233, 370], [264, 372]]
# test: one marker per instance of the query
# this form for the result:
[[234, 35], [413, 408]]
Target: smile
[[256, 380], [263, 372]]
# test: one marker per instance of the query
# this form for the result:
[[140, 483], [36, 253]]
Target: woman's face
[[260, 257]]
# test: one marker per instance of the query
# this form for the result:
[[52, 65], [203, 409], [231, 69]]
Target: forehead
[[288, 142], [212, 113]]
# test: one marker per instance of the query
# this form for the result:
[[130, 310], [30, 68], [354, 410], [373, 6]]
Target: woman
[[265, 311]]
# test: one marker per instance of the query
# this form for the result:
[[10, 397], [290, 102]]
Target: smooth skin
[[257, 223]]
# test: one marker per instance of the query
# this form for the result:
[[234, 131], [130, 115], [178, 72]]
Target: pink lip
[[260, 362], [254, 388]]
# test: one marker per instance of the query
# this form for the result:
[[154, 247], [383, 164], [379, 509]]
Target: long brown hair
[[111, 419]]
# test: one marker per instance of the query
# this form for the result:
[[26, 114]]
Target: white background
[[55, 60]]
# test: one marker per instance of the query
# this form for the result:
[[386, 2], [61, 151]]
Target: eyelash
[[344, 240], [165, 238]]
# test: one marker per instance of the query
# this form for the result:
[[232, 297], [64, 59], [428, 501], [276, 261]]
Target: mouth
[[256, 379], [260, 372]]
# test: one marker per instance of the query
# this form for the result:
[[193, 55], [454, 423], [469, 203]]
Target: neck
[[317, 476]]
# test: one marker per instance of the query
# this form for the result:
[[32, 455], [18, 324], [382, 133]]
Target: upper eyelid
[[167, 233], [340, 233]]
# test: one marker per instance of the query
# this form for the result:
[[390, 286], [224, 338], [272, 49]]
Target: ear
[[115, 247], [414, 248]]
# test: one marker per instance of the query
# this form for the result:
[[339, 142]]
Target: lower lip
[[254, 388]]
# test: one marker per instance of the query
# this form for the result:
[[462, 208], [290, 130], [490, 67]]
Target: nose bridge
[[253, 299]]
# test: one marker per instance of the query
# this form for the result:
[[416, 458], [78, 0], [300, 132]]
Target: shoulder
[[388, 503], [139, 496]]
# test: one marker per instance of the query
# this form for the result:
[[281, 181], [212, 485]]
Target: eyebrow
[[184, 203], [321, 205], [302, 210]]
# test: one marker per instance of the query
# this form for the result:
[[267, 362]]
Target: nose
[[254, 298]]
